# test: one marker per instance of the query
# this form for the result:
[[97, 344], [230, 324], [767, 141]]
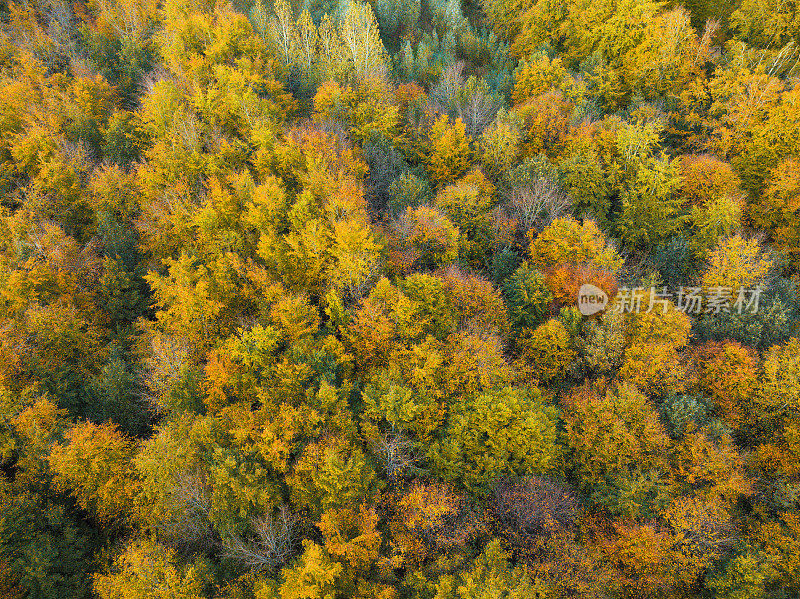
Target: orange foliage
[[705, 178], [479, 305], [546, 121], [429, 517], [565, 280], [352, 535], [727, 375]]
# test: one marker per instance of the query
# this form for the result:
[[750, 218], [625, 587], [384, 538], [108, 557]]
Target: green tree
[[505, 432]]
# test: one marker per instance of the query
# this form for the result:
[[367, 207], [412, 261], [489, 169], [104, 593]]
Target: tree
[[615, 435], [450, 152], [333, 474], [778, 394], [663, 324], [367, 109], [428, 519], [772, 140], [717, 218], [727, 376], [602, 344], [351, 535], [472, 101], [705, 177], [568, 241], [766, 25], [477, 364], [528, 510], [176, 491], [583, 179], [35, 430], [777, 210], [703, 531], [45, 545], [509, 431], [361, 39], [536, 76], [397, 16], [491, 575], [565, 282], [501, 144], [95, 466], [467, 203], [478, 305], [528, 298], [655, 368], [313, 576], [147, 570], [548, 352], [650, 208], [423, 238], [546, 122], [273, 544], [736, 263], [711, 467]]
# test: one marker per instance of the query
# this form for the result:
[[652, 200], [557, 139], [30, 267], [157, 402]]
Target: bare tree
[[528, 508], [477, 109], [470, 100], [397, 453], [189, 525], [447, 88], [273, 543], [537, 204]]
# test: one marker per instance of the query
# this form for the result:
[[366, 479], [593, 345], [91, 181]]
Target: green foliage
[[650, 210], [47, 546], [396, 16], [527, 296], [117, 397], [408, 191], [506, 432], [684, 412], [332, 476]]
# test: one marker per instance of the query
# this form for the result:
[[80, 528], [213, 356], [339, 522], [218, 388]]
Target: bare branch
[[273, 544], [538, 204]]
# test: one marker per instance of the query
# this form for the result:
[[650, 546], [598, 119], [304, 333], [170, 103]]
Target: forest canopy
[[399, 299]]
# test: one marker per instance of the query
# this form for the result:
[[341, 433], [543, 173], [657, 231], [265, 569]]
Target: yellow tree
[[95, 466], [450, 151], [778, 210], [148, 570], [566, 240], [547, 351], [736, 262], [361, 41]]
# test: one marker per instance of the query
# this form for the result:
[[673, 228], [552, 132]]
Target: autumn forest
[[399, 299]]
